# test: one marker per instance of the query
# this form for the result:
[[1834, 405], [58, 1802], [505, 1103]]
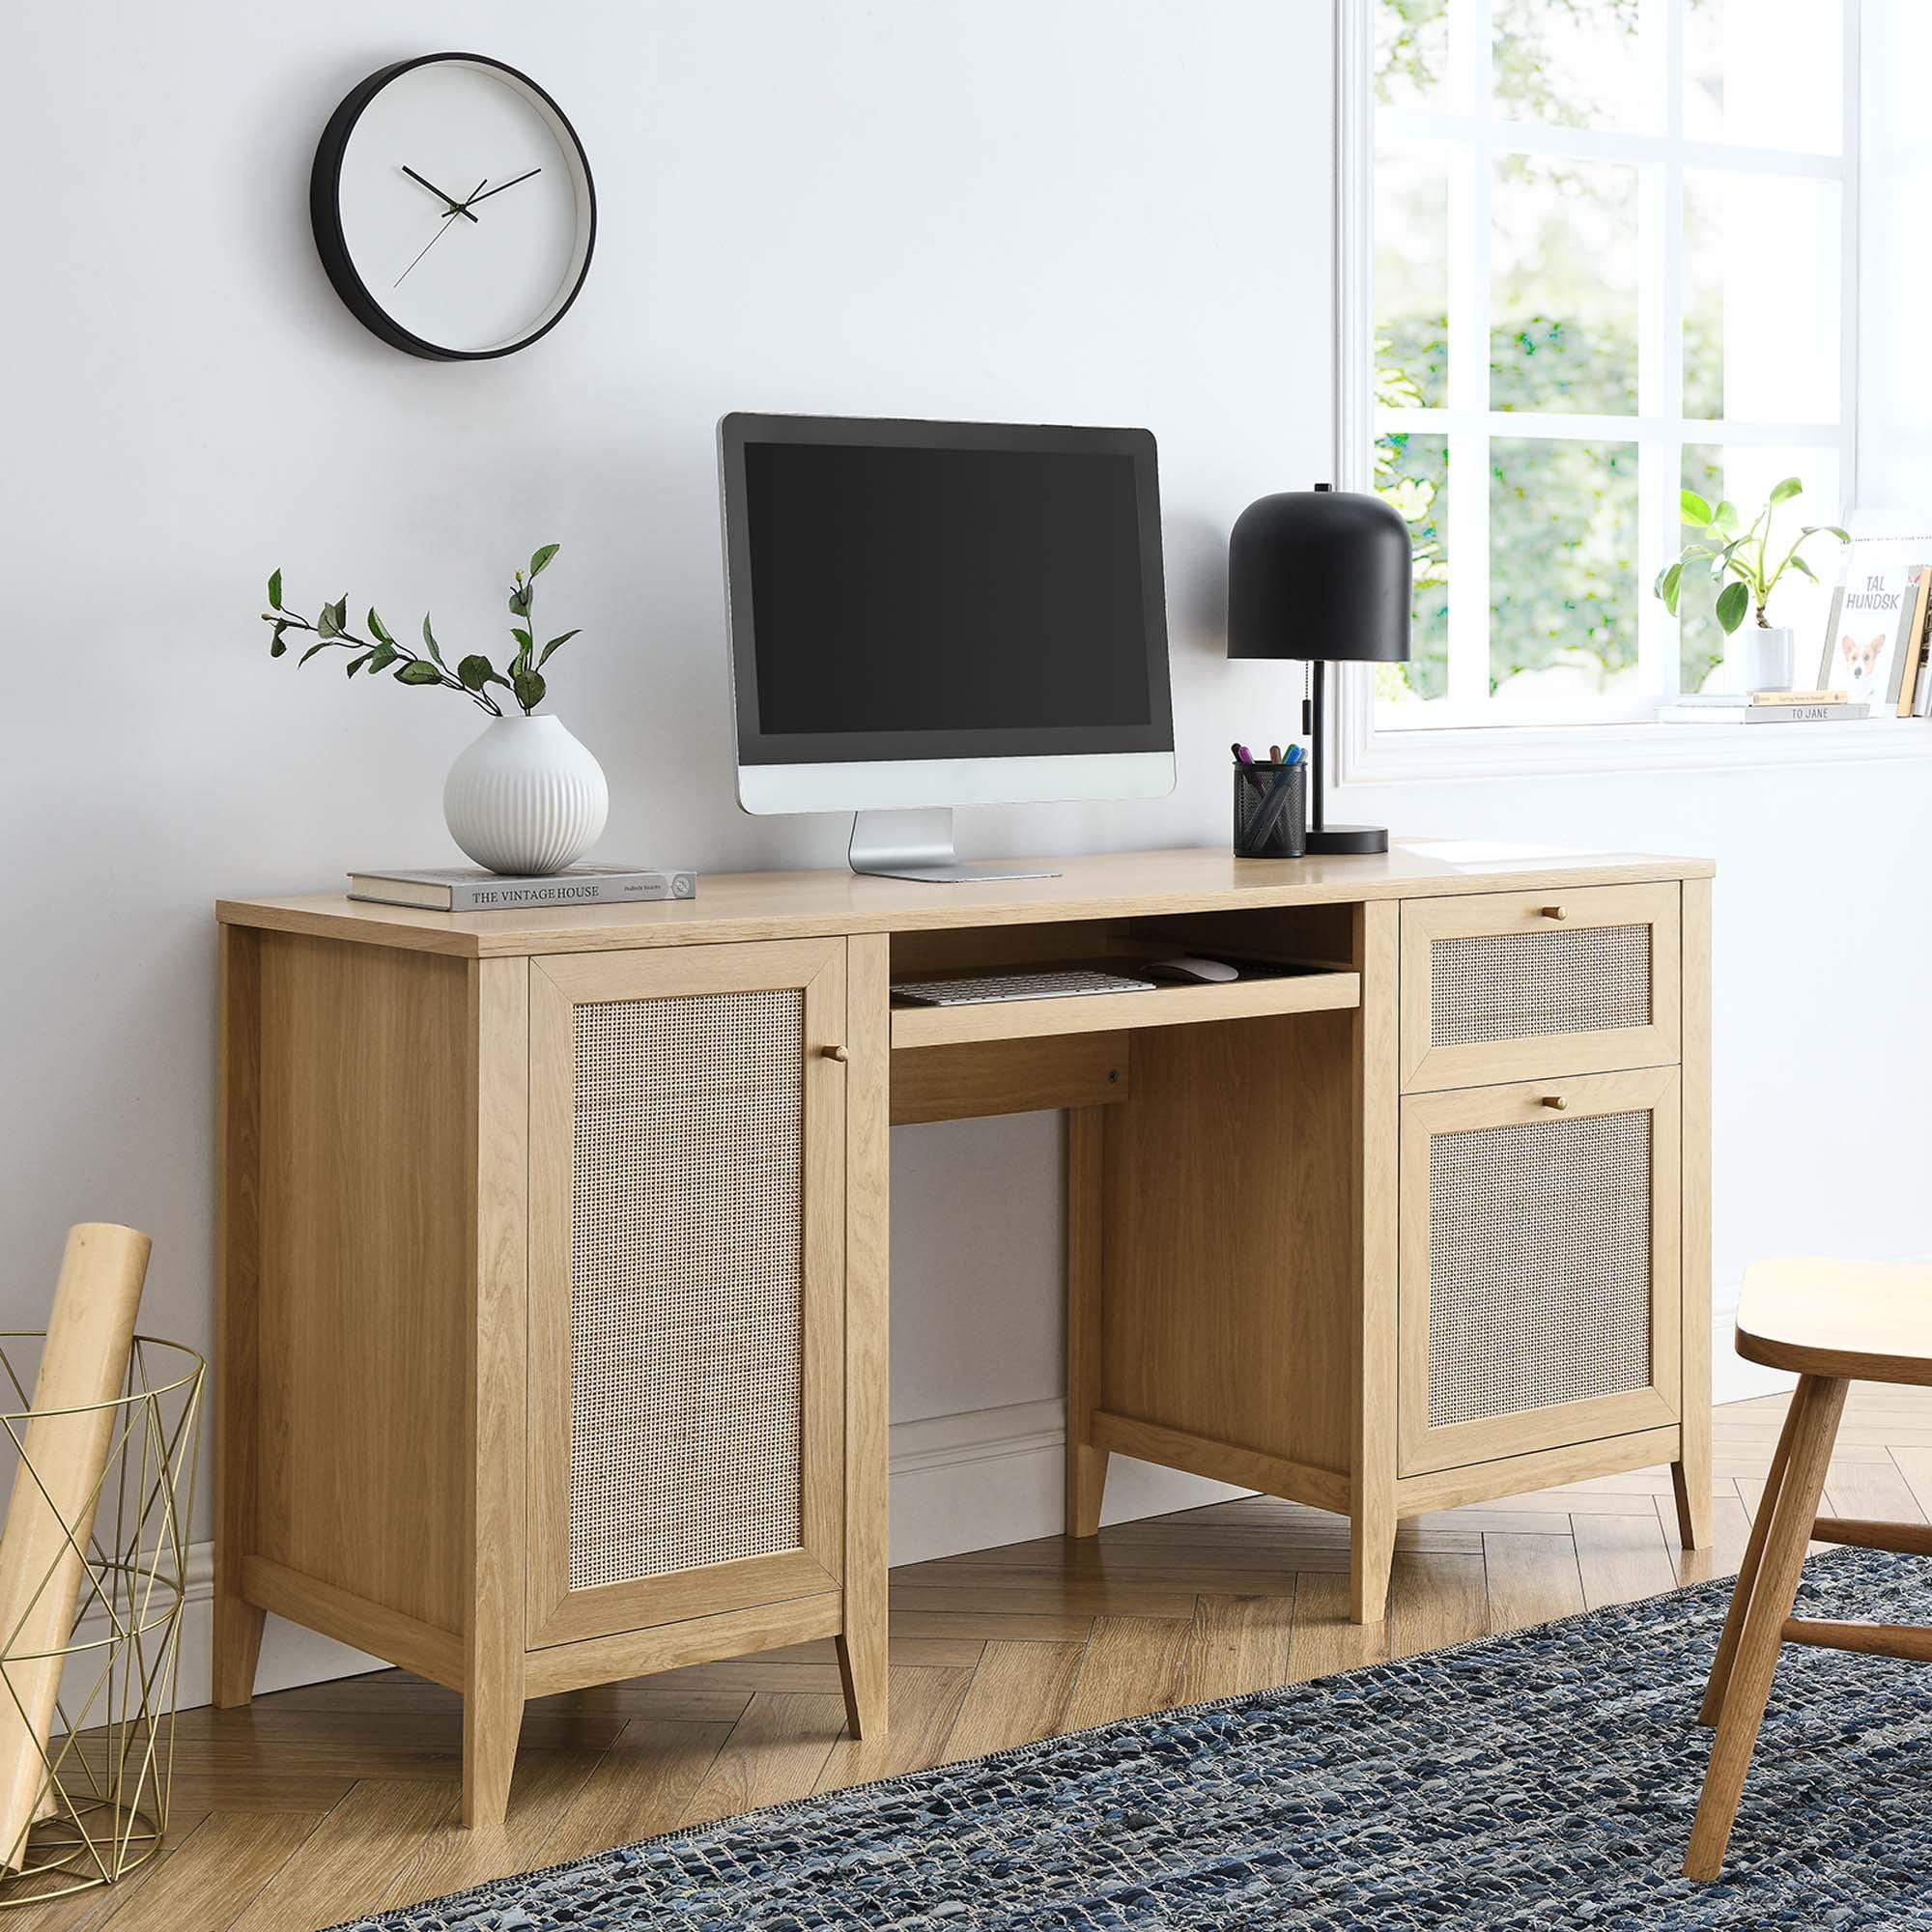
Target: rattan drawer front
[[1539, 1279], [1508, 985], [686, 1277], [1539, 1272]]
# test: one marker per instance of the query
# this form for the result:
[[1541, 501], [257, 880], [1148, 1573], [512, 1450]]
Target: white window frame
[[1366, 754]]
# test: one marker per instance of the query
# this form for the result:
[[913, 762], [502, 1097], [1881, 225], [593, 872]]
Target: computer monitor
[[929, 614]]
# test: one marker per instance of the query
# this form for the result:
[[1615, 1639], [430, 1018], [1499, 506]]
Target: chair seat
[[1836, 1317]]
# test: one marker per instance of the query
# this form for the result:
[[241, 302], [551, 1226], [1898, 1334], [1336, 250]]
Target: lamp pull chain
[[1307, 699]]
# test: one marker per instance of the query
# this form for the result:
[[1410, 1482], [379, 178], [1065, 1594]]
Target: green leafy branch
[[1742, 553], [472, 676]]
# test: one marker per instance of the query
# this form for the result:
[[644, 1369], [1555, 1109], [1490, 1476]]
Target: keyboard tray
[[1282, 991]]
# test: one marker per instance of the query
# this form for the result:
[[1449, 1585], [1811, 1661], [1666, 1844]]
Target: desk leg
[[861, 1643], [1371, 1481], [1370, 1556], [1086, 1464], [237, 1646], [492, 1717]]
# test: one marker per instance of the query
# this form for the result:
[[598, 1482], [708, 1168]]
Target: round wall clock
[[453, 207]]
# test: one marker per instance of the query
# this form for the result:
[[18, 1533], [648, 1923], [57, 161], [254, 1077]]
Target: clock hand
[[498, 189], [455, 207], [454, 211]]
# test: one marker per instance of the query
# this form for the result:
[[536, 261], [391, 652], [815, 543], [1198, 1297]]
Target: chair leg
[[1734, 1619], [1818, 1405]]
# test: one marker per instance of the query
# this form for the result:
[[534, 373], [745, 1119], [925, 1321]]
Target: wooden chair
[[1831, 1322]]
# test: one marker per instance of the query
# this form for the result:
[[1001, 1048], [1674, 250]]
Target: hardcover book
[[1872, 637], [1734, 700], [1912, 654], [470, 889], [1758, 714]]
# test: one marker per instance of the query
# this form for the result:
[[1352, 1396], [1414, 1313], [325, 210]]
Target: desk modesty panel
[[553, 1306]]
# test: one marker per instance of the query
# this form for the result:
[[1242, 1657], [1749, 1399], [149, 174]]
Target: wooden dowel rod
[[50, 1519], [1908, 1539], [1911, 1641]]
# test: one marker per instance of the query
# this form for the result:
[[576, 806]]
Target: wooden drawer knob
[[1554, 912], [836, 1053], [1555, 1102]]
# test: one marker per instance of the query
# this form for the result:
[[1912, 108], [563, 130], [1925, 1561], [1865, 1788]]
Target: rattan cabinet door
[[1509, 985], [1538, 1268], [687, 1283]]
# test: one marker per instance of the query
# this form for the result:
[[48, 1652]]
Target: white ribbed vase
[[526, 798]]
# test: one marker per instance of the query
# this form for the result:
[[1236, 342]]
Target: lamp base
[[1347, 838]]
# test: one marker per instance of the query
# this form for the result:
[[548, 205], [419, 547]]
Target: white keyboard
[[1016, 986]]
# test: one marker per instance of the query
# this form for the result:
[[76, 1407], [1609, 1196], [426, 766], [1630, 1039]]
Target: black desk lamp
[[1320, 576]]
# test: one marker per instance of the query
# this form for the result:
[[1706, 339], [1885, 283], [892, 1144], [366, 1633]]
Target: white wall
[[1895, 401], [1087, 211]]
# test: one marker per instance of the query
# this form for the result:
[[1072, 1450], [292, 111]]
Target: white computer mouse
[[1187, 967]]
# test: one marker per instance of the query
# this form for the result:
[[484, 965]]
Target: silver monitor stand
[[918, 845]]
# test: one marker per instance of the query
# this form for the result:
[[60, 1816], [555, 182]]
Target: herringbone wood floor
[[317, 1804]]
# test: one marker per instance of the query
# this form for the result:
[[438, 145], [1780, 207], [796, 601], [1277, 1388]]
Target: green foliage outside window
[[1563, 524]]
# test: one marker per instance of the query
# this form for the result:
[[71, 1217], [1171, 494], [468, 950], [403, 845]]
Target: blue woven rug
[[1544, 1780]]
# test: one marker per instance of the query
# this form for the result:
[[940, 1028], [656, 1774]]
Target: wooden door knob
[[836, 1053], [1556, 913], [1555, 1102]]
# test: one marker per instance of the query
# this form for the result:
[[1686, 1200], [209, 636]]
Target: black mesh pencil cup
[[1270, 811]]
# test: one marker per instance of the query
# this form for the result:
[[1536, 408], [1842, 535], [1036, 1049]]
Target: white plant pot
[[1762, 656], [526, 798]]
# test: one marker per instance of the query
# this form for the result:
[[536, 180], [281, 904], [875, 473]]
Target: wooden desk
[[551, 1339]]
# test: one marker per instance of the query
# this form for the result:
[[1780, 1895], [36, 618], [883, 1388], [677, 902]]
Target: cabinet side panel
[[1376, 940], [238, 1626], [366, 1253], [861, 1647], [1230, 1286], [1693, 1482]]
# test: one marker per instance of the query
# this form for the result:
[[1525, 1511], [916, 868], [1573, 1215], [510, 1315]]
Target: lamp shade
[[1319, 575]]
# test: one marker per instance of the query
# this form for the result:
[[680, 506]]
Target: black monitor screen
[[940, 599]]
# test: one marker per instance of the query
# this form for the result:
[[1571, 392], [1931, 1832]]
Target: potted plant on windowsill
[[527, 799], [1742, 553]]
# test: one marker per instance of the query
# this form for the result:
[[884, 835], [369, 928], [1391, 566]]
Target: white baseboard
[[1732, 1377], [289, 1654], [994, 1476], [971, 1481], [958, 1483]]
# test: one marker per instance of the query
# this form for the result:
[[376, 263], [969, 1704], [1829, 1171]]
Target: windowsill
[[1525, 751]]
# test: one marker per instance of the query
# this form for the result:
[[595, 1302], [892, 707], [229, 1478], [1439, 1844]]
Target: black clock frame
[[324, 210]]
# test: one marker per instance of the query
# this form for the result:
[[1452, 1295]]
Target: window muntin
[[1595, 283]]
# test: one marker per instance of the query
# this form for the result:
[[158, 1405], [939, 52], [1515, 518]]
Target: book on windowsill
[[1758, 714], [470, 889], [1734, 700]]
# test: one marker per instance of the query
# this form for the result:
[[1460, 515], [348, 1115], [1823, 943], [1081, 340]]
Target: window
[[1610, 260]]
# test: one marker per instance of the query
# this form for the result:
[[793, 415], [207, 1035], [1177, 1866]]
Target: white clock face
[[465, 206]]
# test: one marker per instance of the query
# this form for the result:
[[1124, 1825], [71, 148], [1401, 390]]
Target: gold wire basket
[[106, 1770]]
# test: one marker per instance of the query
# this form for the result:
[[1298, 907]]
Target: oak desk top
[[829, 904]]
